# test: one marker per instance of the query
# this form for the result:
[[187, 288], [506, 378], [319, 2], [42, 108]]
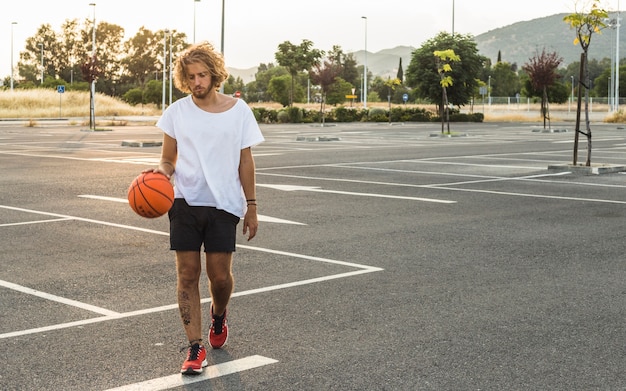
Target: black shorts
[[192, 226]]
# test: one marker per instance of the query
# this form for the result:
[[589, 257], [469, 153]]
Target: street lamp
[[12, 24], [453, 18], [170, 72], [617, 61], [365, 67], [194, 19], [165, 33], [41, 46], [571, 100], [222, 40], [92, 114]]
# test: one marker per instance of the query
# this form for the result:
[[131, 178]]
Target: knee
[[221, 281], [188, 276]]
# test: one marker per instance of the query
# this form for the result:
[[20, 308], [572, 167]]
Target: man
[[207, 144]]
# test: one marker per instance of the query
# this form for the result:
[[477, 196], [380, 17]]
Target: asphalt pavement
[[389, 257]]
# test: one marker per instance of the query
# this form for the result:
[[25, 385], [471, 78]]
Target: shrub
[[377, 114], [295, 114]]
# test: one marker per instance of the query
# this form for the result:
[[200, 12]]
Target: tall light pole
[[222, 39], [170, 71], [165, 33], [194, 19], [571, 100], [365, 67], [41, 46], [12, 24], [453, 18], [92, 115], [617, 61]]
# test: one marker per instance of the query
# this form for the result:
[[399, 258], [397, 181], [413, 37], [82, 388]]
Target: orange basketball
[[151, 195]]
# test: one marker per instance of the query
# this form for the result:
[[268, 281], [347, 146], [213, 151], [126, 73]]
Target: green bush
[[295, 114], [377, 114], [283, 117], [133, 96]]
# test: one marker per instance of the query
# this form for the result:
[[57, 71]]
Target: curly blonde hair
[[203, 53]]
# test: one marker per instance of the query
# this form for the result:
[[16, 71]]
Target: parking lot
[[388, 258]]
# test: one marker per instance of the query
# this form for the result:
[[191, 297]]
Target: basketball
[[151, 195]]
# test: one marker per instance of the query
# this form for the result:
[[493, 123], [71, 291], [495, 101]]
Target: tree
[[504, 81], [400, 73], [585, 24], [542, 71], [324, 75], [443, 59], [422, 72], [297, 59], [278, 90], [391, 85]]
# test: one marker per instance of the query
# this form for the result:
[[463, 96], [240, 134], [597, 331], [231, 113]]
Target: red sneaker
[[196, 360], [218, 333]]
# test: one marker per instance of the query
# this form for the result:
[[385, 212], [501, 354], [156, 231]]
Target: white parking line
[[58, 299], [212, 372], [112, 315], [262, 218]]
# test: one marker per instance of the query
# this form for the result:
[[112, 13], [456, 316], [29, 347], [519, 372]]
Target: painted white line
[[111, 315], [212, 372], [85, 220], [34, 222], [262, 218], [104, 198], [319, 190], [444, 187], [58, 299]]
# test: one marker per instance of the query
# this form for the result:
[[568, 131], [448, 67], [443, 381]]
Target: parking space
[[388, 257]]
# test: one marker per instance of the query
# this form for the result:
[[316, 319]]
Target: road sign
[[405, 97], [351, 96], [60, 89]]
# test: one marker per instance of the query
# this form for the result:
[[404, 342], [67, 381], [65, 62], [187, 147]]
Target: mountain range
[[517, 43]]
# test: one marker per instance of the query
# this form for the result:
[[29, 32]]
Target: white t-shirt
[[209, 151]]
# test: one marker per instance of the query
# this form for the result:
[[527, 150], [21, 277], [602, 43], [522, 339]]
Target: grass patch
[[45, 103]]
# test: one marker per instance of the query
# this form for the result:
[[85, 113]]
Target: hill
[[517, 43], [520, 41]]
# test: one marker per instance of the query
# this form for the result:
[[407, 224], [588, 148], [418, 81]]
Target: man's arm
[[247, 176]]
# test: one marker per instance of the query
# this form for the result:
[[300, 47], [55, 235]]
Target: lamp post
[[365, 67], [41, 46], [222, 39], [616, 103], [194, 19], [571, 99], [165, 33], [92, 115], [453, 18], [170, 71], [12, 24]]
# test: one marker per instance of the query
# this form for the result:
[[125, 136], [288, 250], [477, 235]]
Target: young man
[[207, 149]]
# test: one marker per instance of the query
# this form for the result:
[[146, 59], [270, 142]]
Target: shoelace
[[193, 352], [218, 323]]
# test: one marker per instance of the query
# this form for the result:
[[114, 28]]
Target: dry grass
[[43, 103], [40, 104]]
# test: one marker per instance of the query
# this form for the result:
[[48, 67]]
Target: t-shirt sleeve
[[166, 124], [251, 132]]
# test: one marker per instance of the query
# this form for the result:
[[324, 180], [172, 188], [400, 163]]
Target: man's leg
[[188, 270], [221, 283]]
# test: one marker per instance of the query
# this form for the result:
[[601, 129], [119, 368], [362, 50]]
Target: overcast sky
[[254, 28]]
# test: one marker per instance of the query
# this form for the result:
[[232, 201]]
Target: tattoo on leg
[[185, 308]]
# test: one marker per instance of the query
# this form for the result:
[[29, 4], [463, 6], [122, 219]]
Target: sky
[[253, 29]]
